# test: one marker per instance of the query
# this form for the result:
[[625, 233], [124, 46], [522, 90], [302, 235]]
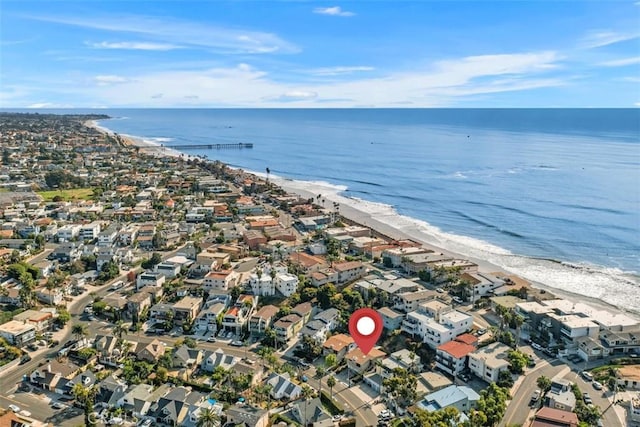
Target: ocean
[[550, 194]]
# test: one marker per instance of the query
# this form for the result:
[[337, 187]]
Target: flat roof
[[15, 327]]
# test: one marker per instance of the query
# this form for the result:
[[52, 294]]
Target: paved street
[[518, 410], [600, 399]]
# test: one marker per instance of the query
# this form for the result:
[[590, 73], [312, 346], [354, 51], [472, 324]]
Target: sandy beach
[[348, 211]]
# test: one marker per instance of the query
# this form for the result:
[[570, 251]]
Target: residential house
[[41, 320], [108, 237], [138, 302], [108, 351], [303, 310], [150, 352], [218, 358], [208, 318], [109, 392], [262, 284], [180, 406], [546, 417], [410, 301], [48, 376], [65, 388], [247, 416], [187, 309], [282, 388], [349, 271], [287, 327], [439, 330], [311, 413], [462, 398], [487, 362], [220, 280], [286, 284], [322, 323], [137, 399], [339, 345], [359, 363], [168, 269], [561, 396], [149, 278], [451, 357], [67, 252], [18, 333], [186, 358], [391, 319], [262, 319]]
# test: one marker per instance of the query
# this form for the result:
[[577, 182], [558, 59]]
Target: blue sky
[[315, 54]]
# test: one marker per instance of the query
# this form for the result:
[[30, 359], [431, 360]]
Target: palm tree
[[85, 396], [307, 392], [79, 330], [331, 382], [207, 418], [119, 329]]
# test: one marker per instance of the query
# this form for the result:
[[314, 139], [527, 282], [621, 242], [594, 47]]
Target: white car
[[145, 423], [25, 413], [14, 408], [58, 405]]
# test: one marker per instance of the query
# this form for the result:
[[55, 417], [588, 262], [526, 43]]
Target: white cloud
[[108, 80], [605, 38], [333, 11], [442, 84], [621, 62], [183, 33], [335, 71], [39, 105], [295, 95], [133, 45]]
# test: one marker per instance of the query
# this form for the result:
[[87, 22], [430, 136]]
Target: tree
[[544, 383], [325, 294], [490, 407], [207, 418], [155, 259], [330, 361], [85, 396], [517, 361], [110, 270], [63, 316], [162, 374], [331, 382], [79, 330], [402, 385], [446, 417], [505, 379]]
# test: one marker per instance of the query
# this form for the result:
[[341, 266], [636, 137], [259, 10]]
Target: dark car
[[24, 359]]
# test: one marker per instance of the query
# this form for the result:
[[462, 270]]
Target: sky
[[289, 54]]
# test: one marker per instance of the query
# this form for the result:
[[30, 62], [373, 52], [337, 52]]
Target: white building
[[168, 269], [220, 280], [149, 278], [487, 362], [286, 283], [262, 285], [439, 330], [68, 232]]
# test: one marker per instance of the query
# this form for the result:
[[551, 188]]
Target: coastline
[[354, 210], [366, 219]]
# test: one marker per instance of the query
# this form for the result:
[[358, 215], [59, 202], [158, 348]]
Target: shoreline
[[332, 193], [366, 219]]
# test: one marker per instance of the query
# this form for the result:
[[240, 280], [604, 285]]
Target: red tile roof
[[456, 349], [467, 339]]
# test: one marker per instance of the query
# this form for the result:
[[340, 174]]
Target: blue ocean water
[[516, 187]]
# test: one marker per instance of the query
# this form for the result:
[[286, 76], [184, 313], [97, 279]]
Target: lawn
[[67, 195]]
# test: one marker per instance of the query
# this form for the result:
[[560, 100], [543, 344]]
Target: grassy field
[[75, 194]]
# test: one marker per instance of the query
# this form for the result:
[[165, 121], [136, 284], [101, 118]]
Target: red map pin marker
[[365, 326]]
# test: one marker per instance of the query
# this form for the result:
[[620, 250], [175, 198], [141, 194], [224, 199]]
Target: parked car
[[32, 347], [587, 376], [536, 346], [58, 405], [482, 331], [14, 408], [536, 396], [440, 290], [587, 399], [597, 385], [237, 343], [25, 413], [145, 423], [211, 339], [24, 359]]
